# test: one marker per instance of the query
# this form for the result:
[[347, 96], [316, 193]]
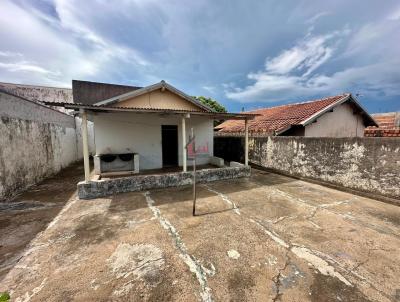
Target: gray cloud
[[370, 65], [234, 51]]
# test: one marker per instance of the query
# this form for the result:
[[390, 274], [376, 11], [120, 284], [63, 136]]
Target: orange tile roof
[[275, 119], [386, 120], [389, 125]]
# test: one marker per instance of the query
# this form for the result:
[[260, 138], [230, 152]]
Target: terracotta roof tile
[[280, 117], [388, 120], [389, 125]]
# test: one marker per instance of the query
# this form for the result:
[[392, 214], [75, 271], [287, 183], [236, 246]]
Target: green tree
[[213, 104]]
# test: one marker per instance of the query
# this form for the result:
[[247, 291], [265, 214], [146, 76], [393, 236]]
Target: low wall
[[370, 165], [36, 142], [102, 188]]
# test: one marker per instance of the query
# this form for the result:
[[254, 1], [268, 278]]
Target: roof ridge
[[301, 103], [385, 113], [31, 85]]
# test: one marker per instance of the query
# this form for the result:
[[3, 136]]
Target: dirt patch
[[315, 235], [140, 260], [326, 289], [4, 223], [92, 229], [392, 218], [238, 284]]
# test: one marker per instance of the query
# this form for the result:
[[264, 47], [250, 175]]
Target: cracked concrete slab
[[266, 238]]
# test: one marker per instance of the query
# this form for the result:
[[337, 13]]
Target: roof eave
[[365, 113], [283, 130], [347, 97], [211, 114], [316, 115]]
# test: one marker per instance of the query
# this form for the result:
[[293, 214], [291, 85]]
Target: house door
[[169, 142]]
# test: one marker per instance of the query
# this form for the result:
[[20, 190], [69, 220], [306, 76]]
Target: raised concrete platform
[[105, 187]]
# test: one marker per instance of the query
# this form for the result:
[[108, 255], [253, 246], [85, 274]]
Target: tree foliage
[[213, 104]]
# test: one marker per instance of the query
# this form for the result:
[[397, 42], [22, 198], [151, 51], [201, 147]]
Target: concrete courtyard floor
[[266, 238]]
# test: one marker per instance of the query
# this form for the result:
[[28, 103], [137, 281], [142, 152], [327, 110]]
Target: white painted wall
[[339, 123], [124, 132]]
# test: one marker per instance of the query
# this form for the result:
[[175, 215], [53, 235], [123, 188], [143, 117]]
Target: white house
[[145, 128], [335, 116]]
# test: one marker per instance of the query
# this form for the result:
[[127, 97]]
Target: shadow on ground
[[29, 213]]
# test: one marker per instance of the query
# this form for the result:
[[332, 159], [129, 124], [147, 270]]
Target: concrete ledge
[[235, 164], [102, 188], [217, 161]]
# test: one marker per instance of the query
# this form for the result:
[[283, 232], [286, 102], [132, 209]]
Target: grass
[[4, 297]]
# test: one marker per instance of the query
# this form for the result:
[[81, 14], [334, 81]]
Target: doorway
[[169, 143]]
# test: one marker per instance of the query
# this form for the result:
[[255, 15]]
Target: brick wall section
[[370, 165], [382, 132]]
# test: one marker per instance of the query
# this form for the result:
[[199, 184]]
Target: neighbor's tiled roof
[[389, 125], [279, 118], [389, 120], [39, 93]]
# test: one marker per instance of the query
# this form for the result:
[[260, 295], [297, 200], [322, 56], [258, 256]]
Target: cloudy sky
[[243, 53]]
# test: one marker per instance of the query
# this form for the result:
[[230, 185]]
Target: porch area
[[141, 149]]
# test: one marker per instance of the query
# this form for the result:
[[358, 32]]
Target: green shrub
[[4, 297]]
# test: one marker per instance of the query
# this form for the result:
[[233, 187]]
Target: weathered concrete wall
[[365, 164], [35, 142], [101, 188], [370, 165]]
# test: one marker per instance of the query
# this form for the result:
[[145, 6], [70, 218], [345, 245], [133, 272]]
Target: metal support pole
[[194, 186], [192, 141], [246, 142], [194, 172], [85, 145], [184, 162]]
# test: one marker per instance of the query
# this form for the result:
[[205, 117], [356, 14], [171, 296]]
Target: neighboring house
[[45, 96], [389, 125], [145, 127], [40, 94], [335, 116], [86, 92]]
